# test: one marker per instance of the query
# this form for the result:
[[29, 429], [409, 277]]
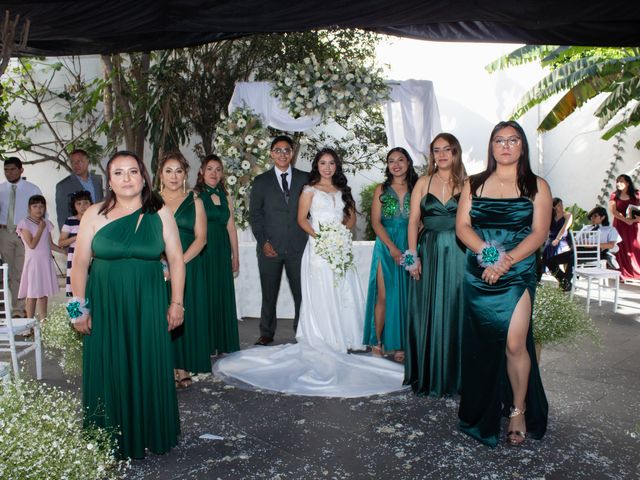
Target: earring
[[144, 183], [161, 186], [110, 188], [184, 186]]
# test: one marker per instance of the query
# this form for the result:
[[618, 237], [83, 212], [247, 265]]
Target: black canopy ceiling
[[89, 26]]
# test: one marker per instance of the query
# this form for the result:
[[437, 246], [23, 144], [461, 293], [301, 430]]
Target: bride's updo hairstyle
[[338, 180]]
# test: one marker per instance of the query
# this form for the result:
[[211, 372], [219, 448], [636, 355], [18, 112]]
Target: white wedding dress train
[[331, 323]]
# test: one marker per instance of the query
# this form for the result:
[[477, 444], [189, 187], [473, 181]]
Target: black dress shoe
[[264, 341]]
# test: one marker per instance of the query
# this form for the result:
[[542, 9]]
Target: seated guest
[[609, 236], [557, 250]]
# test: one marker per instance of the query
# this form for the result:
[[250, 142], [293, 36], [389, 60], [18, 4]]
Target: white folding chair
[[10, 328], [587, 264]]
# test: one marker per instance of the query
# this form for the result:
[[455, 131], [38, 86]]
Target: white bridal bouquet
[[334, 244]]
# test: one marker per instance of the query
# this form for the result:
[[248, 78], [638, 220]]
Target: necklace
[[130, 209], [502, 182], [443, 183]]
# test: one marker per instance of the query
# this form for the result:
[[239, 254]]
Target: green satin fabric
[[191, 345], [435, 306], [486, 391], [223, 320], [128, 382], [396, 279]]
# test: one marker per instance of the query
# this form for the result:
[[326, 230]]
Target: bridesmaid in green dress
[[128, 383], [435, 311], [220, 256], [503, 218], [385, 316], [191, 351]]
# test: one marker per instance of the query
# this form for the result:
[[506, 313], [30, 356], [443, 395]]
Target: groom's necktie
[[285, 186]]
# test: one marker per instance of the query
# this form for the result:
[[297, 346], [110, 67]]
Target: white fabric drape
[[412, 117], [257, 96]]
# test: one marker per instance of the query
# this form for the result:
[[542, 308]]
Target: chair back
[[586, 249], [5, 298]]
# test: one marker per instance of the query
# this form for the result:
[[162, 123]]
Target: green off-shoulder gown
[[128, 382], [435, 307], [486, 391], [223, 319], [191, 345], [394, 218]]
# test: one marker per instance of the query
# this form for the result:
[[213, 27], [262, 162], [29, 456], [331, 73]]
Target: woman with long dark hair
[[385, 315], [435, 307], [626, 223], [191, 349], [332, 309], [122, 308], [503, 219], [220, 256]]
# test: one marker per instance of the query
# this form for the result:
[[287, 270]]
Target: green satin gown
[[223, 320], [128, 382], [191, 346], [395, 218], [435, 311], [486, 391]]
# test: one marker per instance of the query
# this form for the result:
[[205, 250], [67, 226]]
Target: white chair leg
[[615, 295], [588, 293], [38, 345], [15, 364], [600, 292]]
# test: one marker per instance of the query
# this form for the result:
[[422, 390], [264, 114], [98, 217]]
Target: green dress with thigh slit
[[486, 391], [128, 382], [395, 219]]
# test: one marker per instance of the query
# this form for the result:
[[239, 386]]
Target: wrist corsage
[[492, 252], [76, 308], [409, 260]]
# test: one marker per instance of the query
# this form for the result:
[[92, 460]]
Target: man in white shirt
[[14, 198], [609, 236]]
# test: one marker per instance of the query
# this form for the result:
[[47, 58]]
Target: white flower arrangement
[[314, 88], [241, 142], [42, 436], [334, 244], [63, 342]]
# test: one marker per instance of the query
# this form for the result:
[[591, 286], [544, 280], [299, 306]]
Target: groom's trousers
[[270, 278]]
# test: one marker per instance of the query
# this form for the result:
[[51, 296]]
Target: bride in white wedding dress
[[331, 315]]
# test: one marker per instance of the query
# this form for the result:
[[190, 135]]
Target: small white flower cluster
[[63, 342], [241, 142], [332, 89], [335, 245], [41, 436]]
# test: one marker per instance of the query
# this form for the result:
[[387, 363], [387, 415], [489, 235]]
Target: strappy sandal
[[515, 438], [377, 350], [182, 382]]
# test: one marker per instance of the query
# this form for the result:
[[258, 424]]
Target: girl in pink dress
[[38, 275], [627, 225]]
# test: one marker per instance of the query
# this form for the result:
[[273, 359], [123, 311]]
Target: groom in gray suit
[[273, 211]]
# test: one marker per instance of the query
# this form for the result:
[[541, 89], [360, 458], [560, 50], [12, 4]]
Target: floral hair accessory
[[492, 252], [76, 308], [409, 260]]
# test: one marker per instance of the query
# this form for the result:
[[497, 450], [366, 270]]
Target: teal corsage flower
[[491, 253], [390, 205], [409, 260]]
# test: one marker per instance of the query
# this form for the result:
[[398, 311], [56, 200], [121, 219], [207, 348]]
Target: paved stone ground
[[594, 423]]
